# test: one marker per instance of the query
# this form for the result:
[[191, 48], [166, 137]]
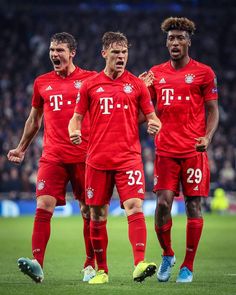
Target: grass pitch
[[214, 273]]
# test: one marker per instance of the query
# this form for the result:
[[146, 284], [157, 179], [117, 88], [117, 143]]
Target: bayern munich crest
[[77, 84], [41, 185], [128, 88], [90, 192], [189, 78]]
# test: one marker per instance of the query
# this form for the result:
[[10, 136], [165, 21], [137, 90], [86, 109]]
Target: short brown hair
[[178, 23], [65, 37], [113, 37]]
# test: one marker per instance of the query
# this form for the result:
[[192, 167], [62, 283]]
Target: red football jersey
[[180, 96], [58, 96], [113, 108]]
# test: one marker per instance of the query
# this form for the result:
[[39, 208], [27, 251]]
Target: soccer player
[[54, 96], [113, 98], [185, 90]]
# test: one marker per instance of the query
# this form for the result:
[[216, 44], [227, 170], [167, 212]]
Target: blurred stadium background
[[25, 30]]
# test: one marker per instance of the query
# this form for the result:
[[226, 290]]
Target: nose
[[121, 55], [175, 41]]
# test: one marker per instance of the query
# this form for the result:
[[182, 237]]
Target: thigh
[[167, 174], [130, 183], [99, 186], [196, 176], [77, 179], [52, 179]]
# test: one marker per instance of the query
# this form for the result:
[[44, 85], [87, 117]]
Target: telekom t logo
[[106, 104], [56, 101], [168, 96]]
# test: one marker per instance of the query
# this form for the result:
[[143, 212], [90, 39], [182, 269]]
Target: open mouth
[[56, 62], [175, 50], [120, 63]]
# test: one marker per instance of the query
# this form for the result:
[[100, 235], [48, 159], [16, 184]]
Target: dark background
[[25, 32]]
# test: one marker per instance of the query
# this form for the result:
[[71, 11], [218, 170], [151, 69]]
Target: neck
[[112, 74], [70, 69], [181, 63]]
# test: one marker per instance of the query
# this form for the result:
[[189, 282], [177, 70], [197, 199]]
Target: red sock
[[98, 234], [193, 232], [137, 236], [164, 237], [41, 234], [90, 257]]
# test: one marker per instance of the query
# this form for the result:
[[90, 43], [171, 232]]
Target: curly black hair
[[178, 23]]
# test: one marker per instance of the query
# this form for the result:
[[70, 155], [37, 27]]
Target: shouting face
[[61, 56], [116, 56]]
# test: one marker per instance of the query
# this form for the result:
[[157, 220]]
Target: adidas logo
[[100, 89], [140, 191], [162, 81], [48, 88], [196, 188]]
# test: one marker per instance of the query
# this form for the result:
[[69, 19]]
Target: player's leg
[[50, 191], [99, 237], [166, 186], [131, 187], [196, 180], [77, 179], [99, 188], [89, 264], [193, 235], [40, 236]]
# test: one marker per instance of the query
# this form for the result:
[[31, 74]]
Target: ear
[[189, 43], [73, 53], [104, 53]]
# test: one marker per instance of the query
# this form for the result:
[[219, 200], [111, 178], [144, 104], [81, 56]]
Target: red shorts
[[53, 178], [192, 173], [100, 184]]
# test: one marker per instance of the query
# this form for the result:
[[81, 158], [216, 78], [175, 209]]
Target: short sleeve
[[82, 101], [209, 86], [37, 100], [145, 100]]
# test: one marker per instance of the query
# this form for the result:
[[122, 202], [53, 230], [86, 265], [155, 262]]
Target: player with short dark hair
[[184, 90], [54, 97], [113, 98]]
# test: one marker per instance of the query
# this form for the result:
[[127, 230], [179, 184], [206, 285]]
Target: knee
[[47, 203], [84, 209], [163, 204], [98, 213], [133, 206], [193, 207]]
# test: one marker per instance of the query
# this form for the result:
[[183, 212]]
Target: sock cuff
[[95, 223], [86, 220], [195, 222], [43, 215], [135, 216], [164, 227]]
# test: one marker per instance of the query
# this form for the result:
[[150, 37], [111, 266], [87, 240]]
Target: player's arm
[[75, 123], [74, 128], [32, 126], [147, 78], [153, 124], [212, 113]]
